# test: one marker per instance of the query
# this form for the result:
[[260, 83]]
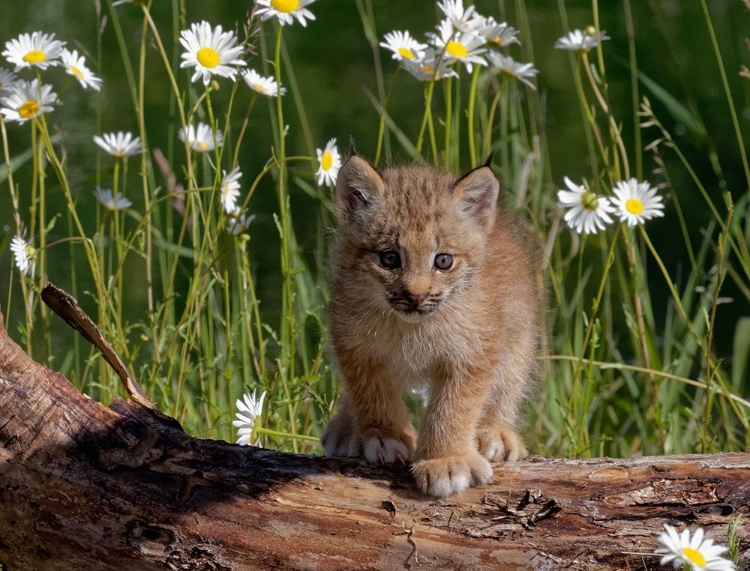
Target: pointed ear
[[358, 185], [477, 193]]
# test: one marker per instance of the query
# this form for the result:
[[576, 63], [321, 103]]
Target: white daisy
[[264, 85], [230, 189], [588, 212], [249, 410], [110, 202], [24, 253], [464, 47], [210, 52], [580, 40], [7, 78], [119, 144], [510, 67], [201, 140], [403, 46], [36, 49], [285, 10], [75, 65], [498, 34], [330, 163], [462, 20], [700, 555], [425, 69], [636, 202], [238, 222], [24, 100]]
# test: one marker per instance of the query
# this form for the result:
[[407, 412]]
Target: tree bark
[[84, 486]]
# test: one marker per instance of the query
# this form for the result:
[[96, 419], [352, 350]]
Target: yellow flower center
[[405, 53], [589, 201], [694, 556], [428, 69], [590, 31], [634, 206], [259, 87], [202, 146], [497, 41], [327, 161], [28, 109], [285, 5], [35, 56], [456, 49], [77, 72], [208, 57]]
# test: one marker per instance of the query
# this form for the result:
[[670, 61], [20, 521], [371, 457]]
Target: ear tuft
[[477, 193], [358, 185], [352, 147]]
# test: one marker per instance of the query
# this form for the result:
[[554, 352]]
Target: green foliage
[[637, 360]]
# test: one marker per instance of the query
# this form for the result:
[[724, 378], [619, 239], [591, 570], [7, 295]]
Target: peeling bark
[[84, 486]]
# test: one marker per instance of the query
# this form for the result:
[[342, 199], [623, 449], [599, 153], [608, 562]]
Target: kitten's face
[[414, 237]]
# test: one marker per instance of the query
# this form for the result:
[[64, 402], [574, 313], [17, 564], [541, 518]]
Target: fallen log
[[84, 486]]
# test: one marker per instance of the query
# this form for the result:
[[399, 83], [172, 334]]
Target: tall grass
[[631, 364]]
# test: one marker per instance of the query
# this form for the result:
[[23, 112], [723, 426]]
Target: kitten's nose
[[417, 298]]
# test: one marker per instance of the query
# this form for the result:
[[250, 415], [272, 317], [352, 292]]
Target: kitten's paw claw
[[380, 450], [501, 443], [443, 477]]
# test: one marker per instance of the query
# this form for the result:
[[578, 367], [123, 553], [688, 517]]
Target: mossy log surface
[[84, 486]]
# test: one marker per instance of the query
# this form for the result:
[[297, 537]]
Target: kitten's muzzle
[[411, 303]]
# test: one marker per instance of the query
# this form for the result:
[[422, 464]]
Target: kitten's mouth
[[410, 311]]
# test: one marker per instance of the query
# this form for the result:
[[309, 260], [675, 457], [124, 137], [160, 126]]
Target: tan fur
[[472, 342]]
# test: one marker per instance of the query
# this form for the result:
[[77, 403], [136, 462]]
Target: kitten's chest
[[413, 353]]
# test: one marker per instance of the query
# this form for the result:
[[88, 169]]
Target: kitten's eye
[[390, 260], [443, 262]]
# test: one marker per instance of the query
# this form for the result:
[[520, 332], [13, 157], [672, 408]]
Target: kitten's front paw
[[501, 443], [384, 447], [450, 475]]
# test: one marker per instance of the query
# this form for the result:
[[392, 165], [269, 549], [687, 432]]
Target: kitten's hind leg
[[340, 437], [496, 435], [500, 442]]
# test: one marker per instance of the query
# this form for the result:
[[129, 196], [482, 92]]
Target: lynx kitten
[[437, 290]]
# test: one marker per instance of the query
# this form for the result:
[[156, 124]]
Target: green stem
[[288, 322], [594, 130], [146, 194], [491, 120], [277, 434], [727, 92], [470, 118], [245, 123], [428, 91], [615, 130], [41, 256], [383, 111], [118, 240], [448, 120]]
